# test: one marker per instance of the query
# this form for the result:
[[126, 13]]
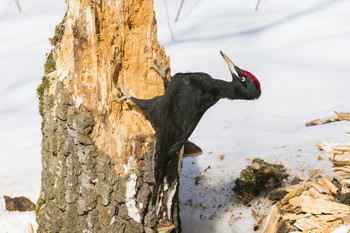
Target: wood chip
[[341, 159], [328, 185], [342, 229], [318, 206], [272, 220], [297, 191], [320, 188], [292, 217], [323, 120], [339, 116], [306, 224], [315, 172], [313, 206], [30, 228], [328, 228], [343, 172], [342, 147], [343, 116], [346, 218], [332, 147], [345, 189], [326, 217], [312, 192]]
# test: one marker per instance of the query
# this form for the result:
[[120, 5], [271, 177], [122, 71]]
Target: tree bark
[[98, 156]]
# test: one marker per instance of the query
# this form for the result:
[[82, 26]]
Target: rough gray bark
[[99, 156]]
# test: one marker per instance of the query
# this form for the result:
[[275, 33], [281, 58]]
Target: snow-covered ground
[[299, 50]]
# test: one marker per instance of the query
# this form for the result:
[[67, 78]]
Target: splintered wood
[[317, 205], [339, 154], [339, 116]]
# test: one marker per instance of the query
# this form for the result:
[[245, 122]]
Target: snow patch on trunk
[[171, 197], [133, 211]]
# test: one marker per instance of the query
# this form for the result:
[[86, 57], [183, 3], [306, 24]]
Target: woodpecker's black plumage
[[187, 97]]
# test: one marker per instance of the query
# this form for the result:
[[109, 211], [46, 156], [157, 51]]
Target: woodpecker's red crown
[[251, 77]]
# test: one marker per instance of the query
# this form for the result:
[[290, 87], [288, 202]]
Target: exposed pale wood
[[330, 217], [290, 188], [100, 156], [346, 218], [295, 192], [315, 172], [342, 229], [319, 187], [342, 170], [339, 116], [293, 217], [289, 208], [328, 228], [318, 206], [312, 192], [332, 147], [342, 147], [323, 120], [272, 220], [326, 183], [306, 224], [30, 228], [345, 189], [313, 206], [343, 116]]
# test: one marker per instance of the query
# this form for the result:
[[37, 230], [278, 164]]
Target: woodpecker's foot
[[191, 149], [126, 96], [161, 71]]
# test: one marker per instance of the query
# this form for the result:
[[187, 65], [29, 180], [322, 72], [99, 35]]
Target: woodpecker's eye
[[243, 79]]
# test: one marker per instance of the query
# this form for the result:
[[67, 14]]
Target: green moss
[[43, 88], [57, 37], [39, 205], [50, 66], [41, 92], [257, 178]]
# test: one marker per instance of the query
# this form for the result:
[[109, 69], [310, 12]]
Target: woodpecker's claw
[[162, 72], [126, 96]]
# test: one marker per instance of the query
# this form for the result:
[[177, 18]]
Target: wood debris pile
[[318, 205]]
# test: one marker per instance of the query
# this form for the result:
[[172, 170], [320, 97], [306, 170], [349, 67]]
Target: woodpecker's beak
[[233, 68]]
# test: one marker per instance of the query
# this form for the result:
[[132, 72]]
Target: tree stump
[[98, 156]]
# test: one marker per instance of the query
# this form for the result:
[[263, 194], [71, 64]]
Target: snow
[[130, 194], [299, 50], [23, 45]]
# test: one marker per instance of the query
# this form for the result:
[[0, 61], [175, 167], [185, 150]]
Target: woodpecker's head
[[247, 85]]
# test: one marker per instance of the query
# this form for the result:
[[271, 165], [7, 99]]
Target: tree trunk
[[99, 156]]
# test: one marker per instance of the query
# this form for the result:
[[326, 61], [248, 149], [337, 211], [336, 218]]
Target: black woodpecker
[[187, 97]]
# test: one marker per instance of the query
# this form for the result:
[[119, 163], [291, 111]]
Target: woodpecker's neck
[[227, 90]]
